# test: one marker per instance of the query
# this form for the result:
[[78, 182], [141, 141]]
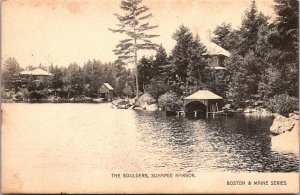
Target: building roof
[[217, 67], [165, 66], [108, 86], [37, 72], [203, 94], [214, 49]]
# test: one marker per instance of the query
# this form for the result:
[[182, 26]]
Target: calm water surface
[[81, 137]]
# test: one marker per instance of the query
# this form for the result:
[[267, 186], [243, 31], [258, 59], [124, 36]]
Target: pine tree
[[285, 42], [248, 33], [225, 36], [287, 24], [146, 70], [73, 80], [163, 70], [197, 63], [57, 77], [180, 53], [133, 25], [161, 56], [11, 69]]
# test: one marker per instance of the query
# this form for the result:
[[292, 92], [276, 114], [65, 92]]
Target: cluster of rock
[[285, 131], [282, 124], [257, 110], [250, 109], [144, 102]]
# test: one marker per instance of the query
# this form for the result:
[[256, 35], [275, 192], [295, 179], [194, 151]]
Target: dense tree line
[[71, 81], [263, 63], [265, 53]]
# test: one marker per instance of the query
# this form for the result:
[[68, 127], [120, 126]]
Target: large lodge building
[[21, 79], [37, 75]]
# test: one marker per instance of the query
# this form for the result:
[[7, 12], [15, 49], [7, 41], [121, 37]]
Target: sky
[[66, 31]]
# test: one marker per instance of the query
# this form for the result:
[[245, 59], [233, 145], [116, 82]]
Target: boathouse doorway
[[195, 109]]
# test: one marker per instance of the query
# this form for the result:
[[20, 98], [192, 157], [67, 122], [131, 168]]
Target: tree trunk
[[136, 74], [137, 69]]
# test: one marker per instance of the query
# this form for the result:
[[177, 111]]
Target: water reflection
[[240, 143], [95, 137]]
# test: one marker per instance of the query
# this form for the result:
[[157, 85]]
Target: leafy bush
[[38, 94], [25, 93], [169, 101], [282, 104], [156, 88]]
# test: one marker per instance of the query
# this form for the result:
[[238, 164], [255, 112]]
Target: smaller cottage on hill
[[215, 55], [106, 91]]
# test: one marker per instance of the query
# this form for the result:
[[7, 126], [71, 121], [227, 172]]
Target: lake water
[[86, 137]]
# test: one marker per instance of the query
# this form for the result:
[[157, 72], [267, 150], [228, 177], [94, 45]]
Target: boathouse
[[106, 91], [202, 103]]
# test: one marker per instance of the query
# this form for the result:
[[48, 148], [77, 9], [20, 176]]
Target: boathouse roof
[[37, 72], [108, 86], [203, 94]]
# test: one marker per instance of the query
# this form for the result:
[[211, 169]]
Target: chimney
[[208, 35]]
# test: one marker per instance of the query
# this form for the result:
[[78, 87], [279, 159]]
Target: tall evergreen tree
[[285, 42], [9, 72], [248, 34], [196, 68], [161, 58], [180, 53], [287, 25], [133, 25], [57, 77], [146, 70], [73, 80], [225, 36]]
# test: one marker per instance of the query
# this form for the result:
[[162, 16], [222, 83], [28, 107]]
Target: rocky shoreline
[[148, 103], [284, 130], [145, 102]]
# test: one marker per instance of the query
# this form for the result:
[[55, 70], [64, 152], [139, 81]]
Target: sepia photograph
[[149, 96]]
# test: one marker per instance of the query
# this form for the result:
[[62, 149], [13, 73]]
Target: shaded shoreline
[[55, 102]]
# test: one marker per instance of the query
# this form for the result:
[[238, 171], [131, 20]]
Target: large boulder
[[152, 107], [265, 112], [121, 103], [288, 141], [132, 101], [282, 124], [145, 100]]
